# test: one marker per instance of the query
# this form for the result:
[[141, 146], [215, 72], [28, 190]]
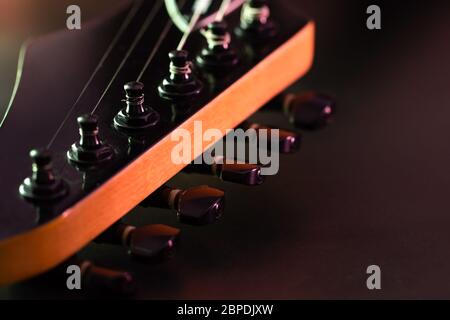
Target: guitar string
[[199, 10], [155, 49], [136, 40], [221, 13], [158, 44], [194, 19], [126, 22], [233, 6]]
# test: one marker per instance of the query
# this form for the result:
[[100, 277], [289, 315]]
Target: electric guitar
[[88, 134]]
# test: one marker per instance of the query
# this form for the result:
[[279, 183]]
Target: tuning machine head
[[288, 141], [98, 278], [136, 116], [93, 278], [43, 185], [256, 24], [310, 110], [90, 150], [198, 206], [242, 173], [150, 242], [230, 171], [181, 84], [218, 55]]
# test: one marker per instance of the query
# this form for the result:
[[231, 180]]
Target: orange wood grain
[[41, 249]]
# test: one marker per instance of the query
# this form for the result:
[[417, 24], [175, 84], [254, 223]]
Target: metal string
[[136, 40], [157, 46], [130, 16]]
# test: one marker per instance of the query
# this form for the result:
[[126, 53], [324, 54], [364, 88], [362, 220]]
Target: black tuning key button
[[113, 281], [228, 170], [150, 242], [288, 141], [195, 206], [89, 150], [95, 279], [256, 24], [180, 84], [43, 185], [136, 116], [309, 111], [218, 55]]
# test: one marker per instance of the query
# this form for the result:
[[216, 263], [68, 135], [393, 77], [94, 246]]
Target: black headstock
[[102, 140]]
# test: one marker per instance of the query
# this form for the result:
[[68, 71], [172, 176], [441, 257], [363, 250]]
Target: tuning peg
[[94, 279], [195, 206], [310, 110], [90, 150], [218, 55], [154, 241], [256, 23], [136, 116], [289, 141], [43, 185], [181, 83], [228, 170]]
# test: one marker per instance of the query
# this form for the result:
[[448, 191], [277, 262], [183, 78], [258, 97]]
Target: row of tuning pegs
[[307, 111], [180, 85], [92, 278], [201, 205], [197, 206], [153, 243]]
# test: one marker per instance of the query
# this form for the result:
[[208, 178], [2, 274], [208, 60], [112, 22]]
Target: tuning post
[[95, 279], [136, 116], [90, 150], [310, 110], [114, 281], [181, 83], [230, 171], [218, 55], [153, 242], [43, 185], [195, 206], [256, 23]]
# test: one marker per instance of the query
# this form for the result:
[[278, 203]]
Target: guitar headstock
[[99, 148]]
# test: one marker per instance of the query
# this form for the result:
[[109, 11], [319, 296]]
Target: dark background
[[372, 188]]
